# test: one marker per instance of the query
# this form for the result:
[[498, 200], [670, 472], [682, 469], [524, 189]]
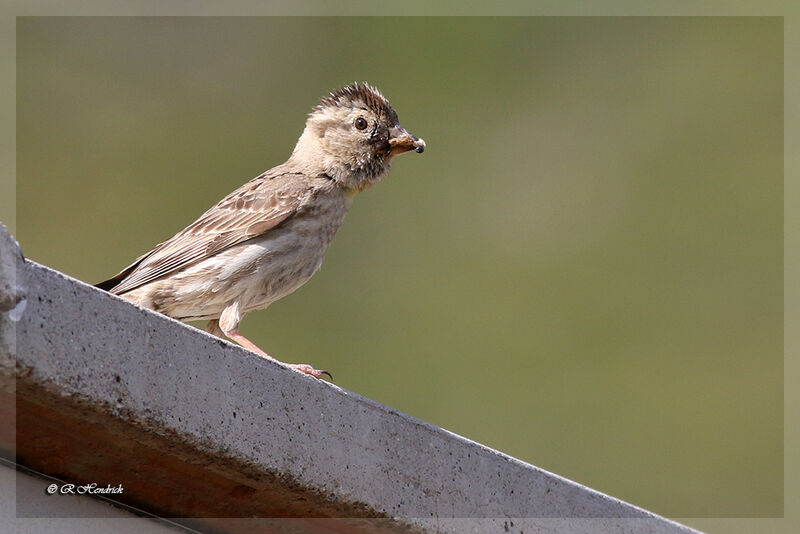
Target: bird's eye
[[361, 123]]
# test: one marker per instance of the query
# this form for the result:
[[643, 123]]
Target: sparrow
[[268, 237]]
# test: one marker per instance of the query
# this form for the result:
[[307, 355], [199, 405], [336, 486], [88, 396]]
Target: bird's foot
[[307, 369], [233, 333]]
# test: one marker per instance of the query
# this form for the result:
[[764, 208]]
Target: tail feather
[[113, 282]]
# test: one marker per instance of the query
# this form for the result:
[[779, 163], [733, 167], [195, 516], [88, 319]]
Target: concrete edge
[[187, 387]]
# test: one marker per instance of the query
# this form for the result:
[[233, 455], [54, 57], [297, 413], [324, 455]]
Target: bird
[[268, 237]]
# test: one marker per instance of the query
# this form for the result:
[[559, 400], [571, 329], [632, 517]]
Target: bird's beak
[[401, 141]]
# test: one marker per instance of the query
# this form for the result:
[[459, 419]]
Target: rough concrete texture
[[193, 426], [12, 296]]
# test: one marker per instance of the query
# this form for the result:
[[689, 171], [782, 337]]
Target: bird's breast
[[286, 257]]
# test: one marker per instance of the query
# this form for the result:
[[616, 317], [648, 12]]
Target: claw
[[307, 369]]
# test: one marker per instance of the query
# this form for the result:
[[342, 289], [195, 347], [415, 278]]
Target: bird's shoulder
[[270, 193]]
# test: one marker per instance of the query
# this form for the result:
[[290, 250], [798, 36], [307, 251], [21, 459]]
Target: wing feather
[[250, 211]]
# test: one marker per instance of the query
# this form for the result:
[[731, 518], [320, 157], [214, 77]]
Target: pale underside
[[250, 275]]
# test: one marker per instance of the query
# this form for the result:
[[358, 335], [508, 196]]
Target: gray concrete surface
[[174, 382]]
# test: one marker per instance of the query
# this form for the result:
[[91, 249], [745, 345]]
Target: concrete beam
[[196, 428]]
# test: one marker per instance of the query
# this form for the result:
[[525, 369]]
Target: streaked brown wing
[[250, 211]]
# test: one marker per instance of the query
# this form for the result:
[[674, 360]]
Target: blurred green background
[[583, 270]]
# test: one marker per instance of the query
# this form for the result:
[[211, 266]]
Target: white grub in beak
[[401, 141]]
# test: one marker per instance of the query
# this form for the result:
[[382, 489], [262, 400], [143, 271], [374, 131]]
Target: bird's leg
[[213, 328], [246, 343], [232, 333]]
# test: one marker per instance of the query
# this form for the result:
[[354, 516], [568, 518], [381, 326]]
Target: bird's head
[[352, 135]]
